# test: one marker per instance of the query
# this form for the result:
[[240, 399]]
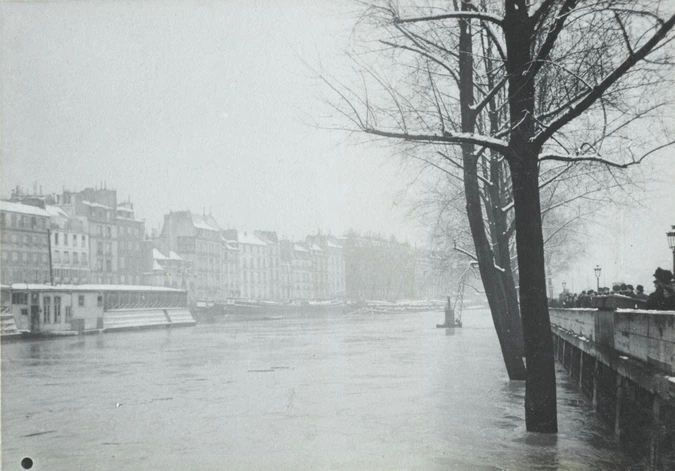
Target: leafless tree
[[532, 86]]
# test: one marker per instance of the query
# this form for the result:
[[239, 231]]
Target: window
[[66, 257], [24, 257], [108, 232], [47, 312], [65, 239], [15, 256], [84, 259], [57, 256], [33, 222], [2, 219], [84, 240], [69, 313], [108, 265], [13, 220], [75, 258], [19, 298], [56, 238], [80, 300], [99, 300], [99, 264], [5, 255], [100, 231], [57, 309]]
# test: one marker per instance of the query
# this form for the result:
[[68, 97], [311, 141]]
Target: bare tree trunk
[[540, 386], [505, 320]]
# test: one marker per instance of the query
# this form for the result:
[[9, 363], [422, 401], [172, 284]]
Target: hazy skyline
[[200, 106], [209, 106]]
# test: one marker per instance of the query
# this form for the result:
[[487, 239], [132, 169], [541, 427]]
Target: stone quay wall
[[624, 362]]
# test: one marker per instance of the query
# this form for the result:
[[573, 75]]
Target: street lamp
[[564, 286], [597, 271], [671, 244]]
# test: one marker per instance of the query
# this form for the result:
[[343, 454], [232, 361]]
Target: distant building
[[230, 267], [285, 273], [69, 247], [298, 267], [130, 238], [113, 237], [197, 238], [328, 266], [271, 265], [377, 268], [171, 271], [253, 264], [24, 243]]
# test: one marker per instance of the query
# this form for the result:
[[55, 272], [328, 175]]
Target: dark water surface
[[329, 391]]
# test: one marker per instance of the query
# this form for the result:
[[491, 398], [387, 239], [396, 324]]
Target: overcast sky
[[208, 105], [189, 105]]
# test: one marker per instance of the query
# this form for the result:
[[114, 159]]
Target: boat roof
[[107, 288]]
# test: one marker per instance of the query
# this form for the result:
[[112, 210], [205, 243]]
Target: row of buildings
[[91, 237]]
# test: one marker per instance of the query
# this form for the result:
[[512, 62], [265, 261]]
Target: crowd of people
[[662, 299]]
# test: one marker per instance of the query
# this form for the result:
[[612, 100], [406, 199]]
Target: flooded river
[[328, 391]]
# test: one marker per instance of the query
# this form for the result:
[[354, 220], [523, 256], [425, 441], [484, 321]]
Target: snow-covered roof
[[157, 255], [203, 225], [56, 211], [251, 239], [129, 219], [156, 266], [96, 205], [174, 256], [332, 245], [22, 208], [299, 248], [207, 223], [316, 248], [42, 287]]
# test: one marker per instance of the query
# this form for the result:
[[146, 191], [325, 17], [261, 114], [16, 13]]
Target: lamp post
[[671, 244], [597, 271]]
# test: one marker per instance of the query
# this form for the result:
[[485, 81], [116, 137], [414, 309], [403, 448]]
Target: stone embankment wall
[[624, 362]]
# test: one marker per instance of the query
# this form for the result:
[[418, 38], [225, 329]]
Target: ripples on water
[[298, 392]]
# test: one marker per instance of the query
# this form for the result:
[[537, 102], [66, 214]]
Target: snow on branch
[[498, 20], [447, 137], [465, 252], [598, 91], [597, 159]]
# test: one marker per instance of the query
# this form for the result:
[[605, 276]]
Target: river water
[[323, 391]]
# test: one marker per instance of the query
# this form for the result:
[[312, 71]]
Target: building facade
[[69, 247], [132, 262], [197, 238], [24, 243]]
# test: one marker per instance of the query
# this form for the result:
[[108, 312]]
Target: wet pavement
[[291, 391]]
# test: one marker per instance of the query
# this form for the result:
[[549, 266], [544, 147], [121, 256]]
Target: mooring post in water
[[449, 316]]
